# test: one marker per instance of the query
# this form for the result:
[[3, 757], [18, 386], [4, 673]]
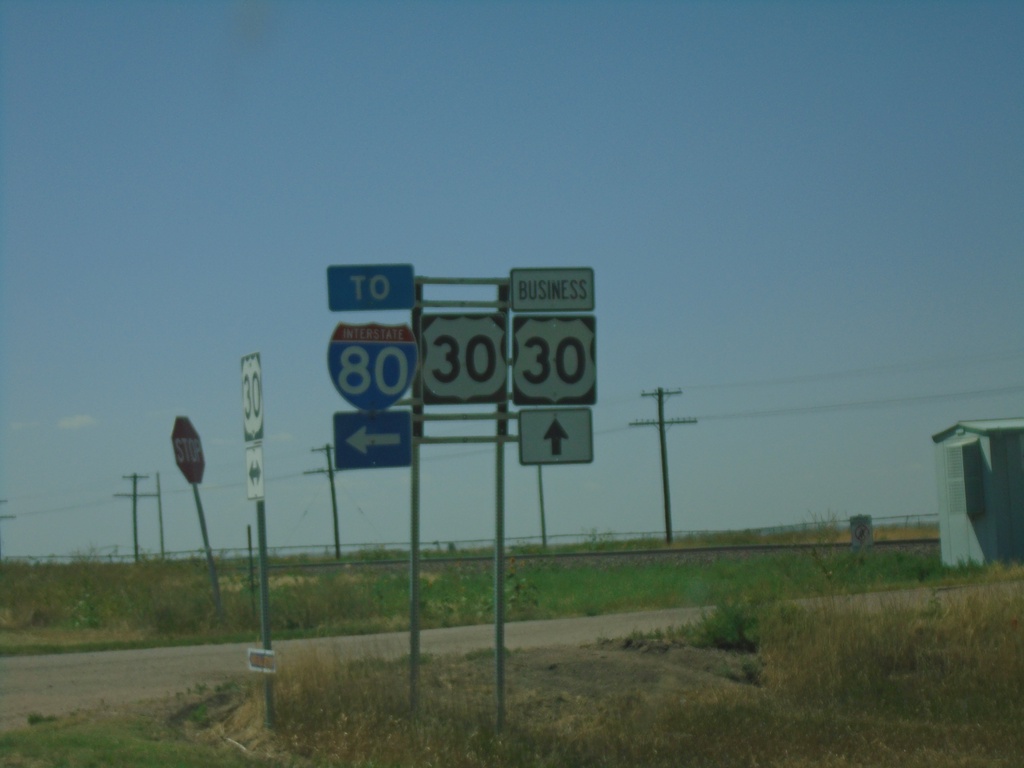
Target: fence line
[[593, 537]]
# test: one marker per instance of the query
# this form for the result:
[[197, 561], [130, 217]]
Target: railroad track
[[611, 558]]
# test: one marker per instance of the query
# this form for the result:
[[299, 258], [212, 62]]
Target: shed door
[[964, 480]]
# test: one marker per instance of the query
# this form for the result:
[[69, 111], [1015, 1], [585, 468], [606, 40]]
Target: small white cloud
[[77, 422]]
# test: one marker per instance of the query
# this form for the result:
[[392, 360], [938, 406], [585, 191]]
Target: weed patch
[[931, 687], [963, 655]]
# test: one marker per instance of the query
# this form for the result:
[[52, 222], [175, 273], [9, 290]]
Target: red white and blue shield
[[372, 365]]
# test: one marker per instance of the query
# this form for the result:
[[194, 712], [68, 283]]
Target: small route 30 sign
[[252, 421], [464, 359], [252, 397], [554, 360]]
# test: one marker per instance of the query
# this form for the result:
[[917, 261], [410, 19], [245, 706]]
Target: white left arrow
[[361, 441]]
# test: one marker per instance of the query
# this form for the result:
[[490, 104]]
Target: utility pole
[[135, 496], [334, 499], [4, 517], [660, 393]]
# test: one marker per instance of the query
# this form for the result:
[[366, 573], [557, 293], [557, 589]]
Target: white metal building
[[980, 469]]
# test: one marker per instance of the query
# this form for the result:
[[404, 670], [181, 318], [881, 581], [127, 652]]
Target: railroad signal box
[[980, 471]]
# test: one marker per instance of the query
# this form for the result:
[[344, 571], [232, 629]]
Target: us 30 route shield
[[554, 360]]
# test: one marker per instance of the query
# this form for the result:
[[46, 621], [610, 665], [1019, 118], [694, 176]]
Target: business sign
[[552, 290], [369, 440], [372, 365], [554, 360], [370, 286], [556, 436], [464, 359]]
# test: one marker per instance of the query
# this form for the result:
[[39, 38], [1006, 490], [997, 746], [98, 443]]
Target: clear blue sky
[[807, 216]]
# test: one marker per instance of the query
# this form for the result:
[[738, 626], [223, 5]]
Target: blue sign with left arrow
[[367, 440]]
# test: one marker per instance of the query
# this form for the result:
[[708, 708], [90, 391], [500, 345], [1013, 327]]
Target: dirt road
[[56, 685], [59, 684]]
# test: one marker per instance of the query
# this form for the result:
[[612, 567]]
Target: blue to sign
[[372, 365], [372, 440], [370, 286]]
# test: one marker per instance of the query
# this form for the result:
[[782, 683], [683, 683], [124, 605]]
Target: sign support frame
[[579, 299], [501, 416]]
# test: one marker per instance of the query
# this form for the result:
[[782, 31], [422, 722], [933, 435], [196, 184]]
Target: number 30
[[543, 359]]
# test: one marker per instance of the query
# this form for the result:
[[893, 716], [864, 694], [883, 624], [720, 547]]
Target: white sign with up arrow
[[556, 436]]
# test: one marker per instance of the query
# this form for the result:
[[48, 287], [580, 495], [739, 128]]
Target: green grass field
[[127, 742], [87, 605]]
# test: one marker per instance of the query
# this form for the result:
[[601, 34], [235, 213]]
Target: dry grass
[[931, 686], [959, 656]]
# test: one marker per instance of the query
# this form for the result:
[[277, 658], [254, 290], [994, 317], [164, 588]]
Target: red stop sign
[[188, 450]]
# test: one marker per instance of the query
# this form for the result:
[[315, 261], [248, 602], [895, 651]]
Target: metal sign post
[[210, 564], [414, 518], [499, 541], [252, 412], [414, 582]]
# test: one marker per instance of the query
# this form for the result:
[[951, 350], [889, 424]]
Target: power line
[[854, 404], [70, 508], [868, 371], [765, 413]]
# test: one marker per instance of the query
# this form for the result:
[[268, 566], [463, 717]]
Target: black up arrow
[[254, 473], [556, 434]]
